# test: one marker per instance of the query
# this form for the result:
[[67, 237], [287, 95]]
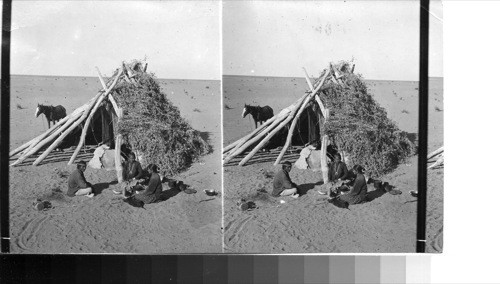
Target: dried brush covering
[[152, 125], [359, 126]]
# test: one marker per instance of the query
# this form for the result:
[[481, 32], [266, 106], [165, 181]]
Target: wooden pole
[[242, 148], [89, 118], [105, 87], [317, 98], [265, 140], [30, 144], [332, 70], [324, 145], [35, 146], [439, 162], [235, 145], [88, 108], [61, 137], [126, 74], [240, 141], [295, 119], [33, 141], [436, 152], [118, 145], [113, 102], [283, 114]]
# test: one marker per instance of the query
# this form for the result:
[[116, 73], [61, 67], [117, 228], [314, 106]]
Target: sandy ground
[[309, 223], [182, 224]]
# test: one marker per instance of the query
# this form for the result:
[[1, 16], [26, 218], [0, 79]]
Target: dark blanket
[[358, 192], [152, 192]]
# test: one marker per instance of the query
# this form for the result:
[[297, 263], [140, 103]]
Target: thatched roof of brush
[[351, 121], [146, 120], [359, 126], [153, 126]]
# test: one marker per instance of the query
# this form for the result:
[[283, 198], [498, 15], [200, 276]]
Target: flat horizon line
[[259, 76], [79, 76]]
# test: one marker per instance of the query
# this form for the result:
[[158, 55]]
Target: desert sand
[[310, 224], [185, 223]]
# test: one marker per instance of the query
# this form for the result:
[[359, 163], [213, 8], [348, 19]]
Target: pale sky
[[277, 38], [179, 39]]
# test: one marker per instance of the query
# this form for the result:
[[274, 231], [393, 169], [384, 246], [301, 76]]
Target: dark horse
[[259, 114], [52, 113]]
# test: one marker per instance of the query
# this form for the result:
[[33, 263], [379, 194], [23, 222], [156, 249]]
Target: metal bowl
[[210, 192]]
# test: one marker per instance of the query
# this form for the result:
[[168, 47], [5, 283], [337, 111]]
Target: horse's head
[[245, 111], [38, 110]]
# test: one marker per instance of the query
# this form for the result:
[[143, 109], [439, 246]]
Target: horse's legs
[[255, 123]]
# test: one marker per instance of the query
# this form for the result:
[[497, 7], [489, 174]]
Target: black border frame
[[5, 128], [423, 121]]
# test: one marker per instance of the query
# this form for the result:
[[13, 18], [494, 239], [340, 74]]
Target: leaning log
[[296, 118], [265, 140], [253, 140], [118, 145], [317, 98], [241, 141], [37, 145], [241, 147], [435, 153], [324, 145], [89, 118], [438, 162]]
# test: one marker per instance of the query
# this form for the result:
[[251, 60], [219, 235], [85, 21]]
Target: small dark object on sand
[[42, 205], [246, 205], [134, 202], [390, 189], [210, 192], [186, 189], [262, 189], [414, 193], [386, 187], [339, 203], [395, 192]]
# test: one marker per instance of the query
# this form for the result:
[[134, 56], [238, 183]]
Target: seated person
[[77, 184], [132, 175], [153, 190], [358, 191], [282, 185], [338, 175], [338, 169], [133, 169]]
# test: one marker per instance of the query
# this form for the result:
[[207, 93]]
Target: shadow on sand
[[374, 194], [99, 187], [304, 188], [167, 194]]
